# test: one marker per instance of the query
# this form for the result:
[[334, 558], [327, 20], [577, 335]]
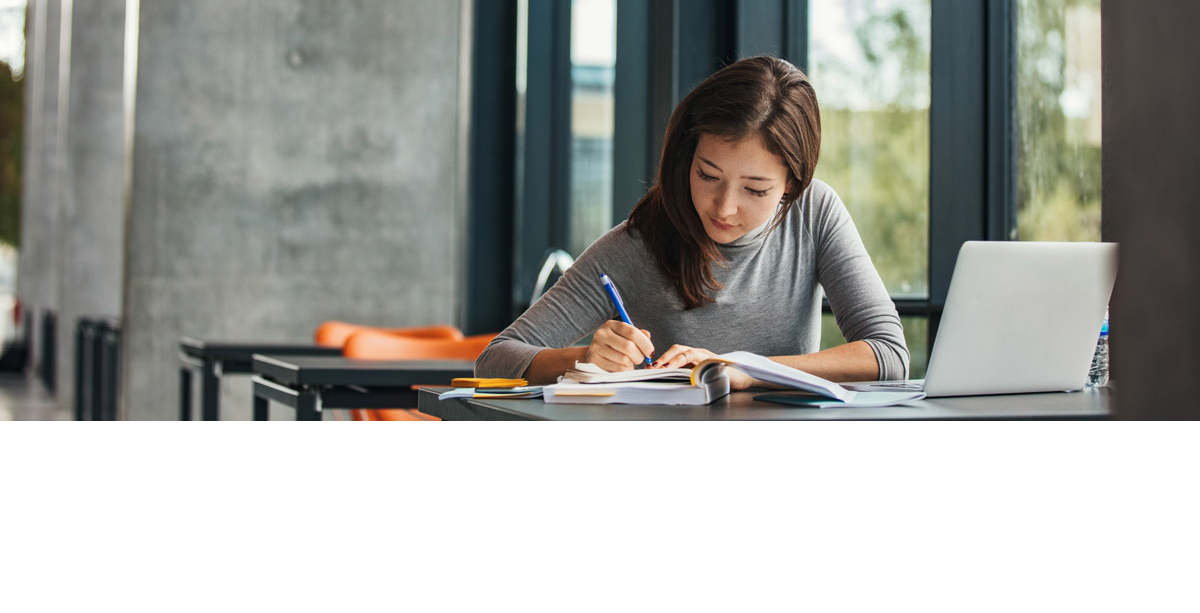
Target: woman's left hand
[[680, 356]]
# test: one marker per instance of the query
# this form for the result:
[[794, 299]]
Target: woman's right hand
[[618, 346]]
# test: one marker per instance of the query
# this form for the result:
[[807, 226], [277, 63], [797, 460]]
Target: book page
[[585, 372], [766, 369]]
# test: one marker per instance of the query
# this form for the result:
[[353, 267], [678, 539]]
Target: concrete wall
[[293, 161], [91, 207]]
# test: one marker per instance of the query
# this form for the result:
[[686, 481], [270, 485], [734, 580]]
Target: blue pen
[[616, 298]]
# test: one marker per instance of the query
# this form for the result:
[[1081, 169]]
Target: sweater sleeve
[[860, 302], [570, 310]]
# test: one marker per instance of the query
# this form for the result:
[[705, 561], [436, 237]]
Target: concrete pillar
[[1151, 92], [37, 267], [31, 153], [91, 209], [293, 161]]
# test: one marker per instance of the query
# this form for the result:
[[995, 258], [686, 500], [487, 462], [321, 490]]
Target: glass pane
[[12, 36], [12, 108], [593, 60], [916, 335], [869, 62], [1058, 120]]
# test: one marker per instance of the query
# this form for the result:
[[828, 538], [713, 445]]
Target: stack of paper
[[588, 384], [635, 392]]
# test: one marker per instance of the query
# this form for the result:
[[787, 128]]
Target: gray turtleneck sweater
[[769, 303]]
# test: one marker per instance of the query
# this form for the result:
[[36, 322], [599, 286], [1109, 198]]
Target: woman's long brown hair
[[760, 96]]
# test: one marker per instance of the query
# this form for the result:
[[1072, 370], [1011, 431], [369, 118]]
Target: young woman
[[728, 251]]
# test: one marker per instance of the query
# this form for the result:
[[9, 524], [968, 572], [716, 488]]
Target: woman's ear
[[789, 193]]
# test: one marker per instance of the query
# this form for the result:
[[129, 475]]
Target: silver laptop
[[1020, 317]]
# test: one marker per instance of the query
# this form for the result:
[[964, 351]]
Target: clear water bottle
[[1098, 375]]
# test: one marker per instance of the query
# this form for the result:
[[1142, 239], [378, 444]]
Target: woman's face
[[735, 185]]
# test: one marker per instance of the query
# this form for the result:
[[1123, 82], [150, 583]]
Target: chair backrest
[[335, 333], [380, 345], [376, 345], [556, 261]]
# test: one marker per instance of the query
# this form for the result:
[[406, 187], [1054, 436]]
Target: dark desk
[[216, 359], [312, 384], [1089, 404]]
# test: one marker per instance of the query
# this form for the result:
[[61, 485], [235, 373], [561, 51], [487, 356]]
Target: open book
[[706, 382]]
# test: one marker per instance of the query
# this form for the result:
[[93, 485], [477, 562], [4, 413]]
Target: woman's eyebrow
[[709, 162]]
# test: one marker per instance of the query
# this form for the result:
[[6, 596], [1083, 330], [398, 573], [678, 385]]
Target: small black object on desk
[[215, 359], [312, 384]]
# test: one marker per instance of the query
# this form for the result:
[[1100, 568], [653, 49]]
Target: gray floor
[[23, 398]]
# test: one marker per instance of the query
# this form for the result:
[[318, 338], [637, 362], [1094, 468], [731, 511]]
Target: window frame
[[542, 203], [491, 190]]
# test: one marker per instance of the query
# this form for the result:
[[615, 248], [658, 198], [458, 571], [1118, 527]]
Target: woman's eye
[[705, 176], [761, 193]]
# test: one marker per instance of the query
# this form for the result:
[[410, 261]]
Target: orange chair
[[334, 333], [378, 345]]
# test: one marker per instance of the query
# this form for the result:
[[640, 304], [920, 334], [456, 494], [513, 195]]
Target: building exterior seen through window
[[869, 63], [12, 67], [593, 60], [1058, 120]]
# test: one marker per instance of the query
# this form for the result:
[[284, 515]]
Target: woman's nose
[[724, 203]]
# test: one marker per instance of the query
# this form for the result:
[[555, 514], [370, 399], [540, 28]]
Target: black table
[[312, 384], [1087, 404], [215, 359]]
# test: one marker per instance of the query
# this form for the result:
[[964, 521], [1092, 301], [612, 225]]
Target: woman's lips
[[720, 225]]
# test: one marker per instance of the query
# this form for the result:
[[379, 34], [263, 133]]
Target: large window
[[942, 121], [565, 53], [1058, 120], [869, 63]]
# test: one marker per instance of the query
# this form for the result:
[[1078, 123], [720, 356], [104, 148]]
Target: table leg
[[185, 393], [80, 341], [306, 406], [96, 373], [261, 408], [112, 373], [210, 392]]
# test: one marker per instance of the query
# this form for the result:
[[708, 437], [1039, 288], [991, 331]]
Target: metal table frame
[[312, 384], [216, 359]]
